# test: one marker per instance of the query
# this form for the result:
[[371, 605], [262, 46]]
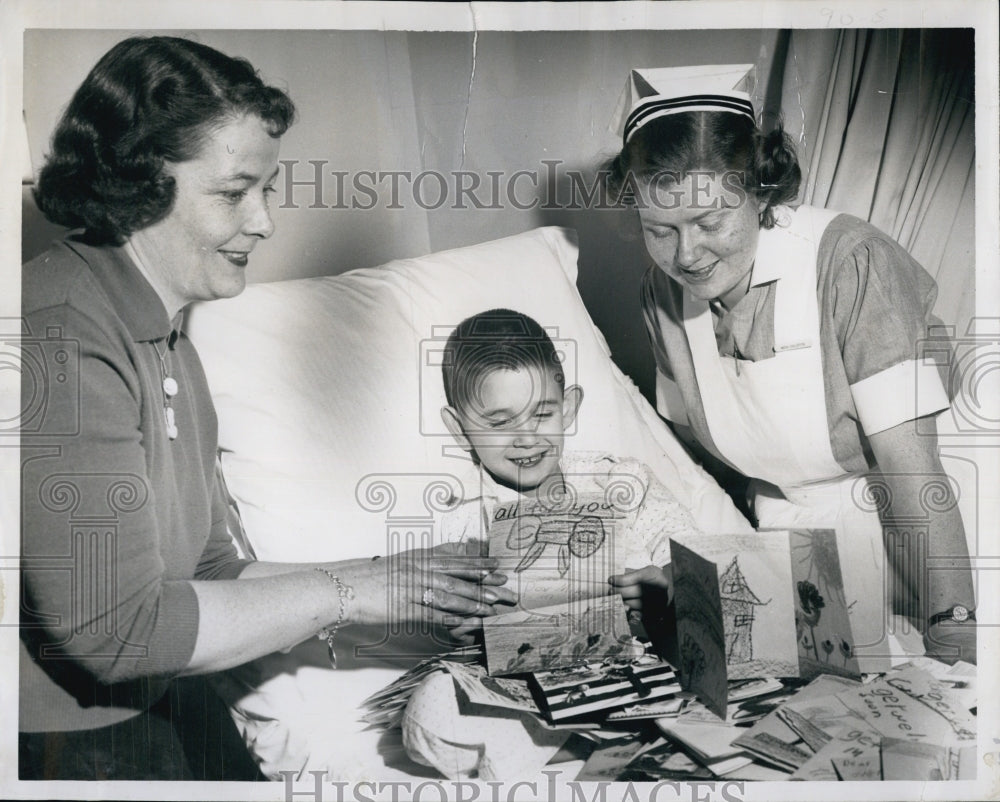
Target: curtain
[[884, 122]]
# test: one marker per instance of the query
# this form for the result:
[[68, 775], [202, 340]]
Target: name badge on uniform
[[795, 346]]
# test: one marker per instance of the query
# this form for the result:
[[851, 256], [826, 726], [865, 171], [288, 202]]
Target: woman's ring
[[428, 598]]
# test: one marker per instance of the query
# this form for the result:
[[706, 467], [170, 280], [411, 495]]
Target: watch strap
[[950, 615]]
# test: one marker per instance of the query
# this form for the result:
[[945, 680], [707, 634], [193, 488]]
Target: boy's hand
[[648, 588]]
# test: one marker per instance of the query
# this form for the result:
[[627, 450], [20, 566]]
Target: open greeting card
[[558, 553], [770, 604]]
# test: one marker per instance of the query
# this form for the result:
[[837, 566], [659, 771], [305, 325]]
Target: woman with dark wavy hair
[[165, 159], [787, 348]]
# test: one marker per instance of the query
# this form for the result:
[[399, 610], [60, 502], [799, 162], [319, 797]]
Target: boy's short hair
[[498, 339]]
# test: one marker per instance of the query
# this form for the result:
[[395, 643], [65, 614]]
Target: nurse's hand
[[949, 641], [645, 590]]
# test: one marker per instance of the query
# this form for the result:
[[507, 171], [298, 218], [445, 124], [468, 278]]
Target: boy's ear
[[451, 420], [572, 398]]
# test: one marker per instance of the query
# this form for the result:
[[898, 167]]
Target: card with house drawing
[[766, 604], [558, 554]]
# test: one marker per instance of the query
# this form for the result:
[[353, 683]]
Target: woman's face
[[199, 251], [702, 232]]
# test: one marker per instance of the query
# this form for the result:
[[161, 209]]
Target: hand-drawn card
[[907, 760], [558, 553], [751, 606], [855, 746], [559, 549], [865, 767], [911, 704], [550, 637], [658, 708], [822, 622], [735, 612], [609, 759], [591, 687], [701, 636], [488, 691], [773, 740]]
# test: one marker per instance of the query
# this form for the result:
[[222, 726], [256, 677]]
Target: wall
[[496, 102]]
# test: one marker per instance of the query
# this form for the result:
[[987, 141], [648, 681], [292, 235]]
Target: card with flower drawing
[[766, 604]]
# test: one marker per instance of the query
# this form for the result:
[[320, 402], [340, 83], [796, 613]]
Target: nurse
[[786, 345]]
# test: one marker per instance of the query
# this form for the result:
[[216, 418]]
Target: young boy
[[508, 406]]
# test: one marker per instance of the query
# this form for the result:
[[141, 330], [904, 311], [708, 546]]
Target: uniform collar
[[774, 260], [769, 263], [133, 298]]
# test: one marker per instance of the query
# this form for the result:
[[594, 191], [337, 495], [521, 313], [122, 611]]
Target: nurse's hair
[[498, 339], [764, 165], [147, 102]]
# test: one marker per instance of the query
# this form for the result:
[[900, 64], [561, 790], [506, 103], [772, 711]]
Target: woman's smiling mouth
[[701, 275], [238, 258]]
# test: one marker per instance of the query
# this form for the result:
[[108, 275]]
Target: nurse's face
[[702, 232], [200, 250]]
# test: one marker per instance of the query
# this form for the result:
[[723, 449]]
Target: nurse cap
[[653, 93]]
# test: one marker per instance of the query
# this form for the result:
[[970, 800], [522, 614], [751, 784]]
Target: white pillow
[[322, 382]]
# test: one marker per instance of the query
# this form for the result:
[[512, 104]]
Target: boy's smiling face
[[515, 423]]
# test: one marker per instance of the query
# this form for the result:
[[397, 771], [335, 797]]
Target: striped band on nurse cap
[[653, 93]]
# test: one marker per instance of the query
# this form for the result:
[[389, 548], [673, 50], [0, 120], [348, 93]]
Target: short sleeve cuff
[[903, 392], [669, 402]]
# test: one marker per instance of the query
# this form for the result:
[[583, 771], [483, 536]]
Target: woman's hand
[[451, 585], [648, 589]]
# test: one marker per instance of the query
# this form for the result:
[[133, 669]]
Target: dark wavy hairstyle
[[148, 101], [765, 165], [498, 339]]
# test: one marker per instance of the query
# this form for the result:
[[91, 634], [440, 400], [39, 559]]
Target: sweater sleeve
[[93, 570], [220, 559]]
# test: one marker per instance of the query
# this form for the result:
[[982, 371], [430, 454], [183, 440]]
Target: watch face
[[959, 613]]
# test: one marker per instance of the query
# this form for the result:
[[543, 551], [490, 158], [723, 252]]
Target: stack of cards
[[384, 709], [591, 688], [913, 723]]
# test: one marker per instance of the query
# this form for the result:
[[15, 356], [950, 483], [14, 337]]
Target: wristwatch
[[957, 614]]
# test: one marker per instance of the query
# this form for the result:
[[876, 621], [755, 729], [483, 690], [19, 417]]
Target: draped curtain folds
[[885, 127]]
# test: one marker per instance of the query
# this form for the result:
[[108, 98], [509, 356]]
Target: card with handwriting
[[558, 553]]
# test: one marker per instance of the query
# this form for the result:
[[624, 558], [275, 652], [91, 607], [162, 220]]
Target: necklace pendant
[[168, 415], [170, 386]]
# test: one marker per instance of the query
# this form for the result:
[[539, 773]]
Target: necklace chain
[[169, 386]]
